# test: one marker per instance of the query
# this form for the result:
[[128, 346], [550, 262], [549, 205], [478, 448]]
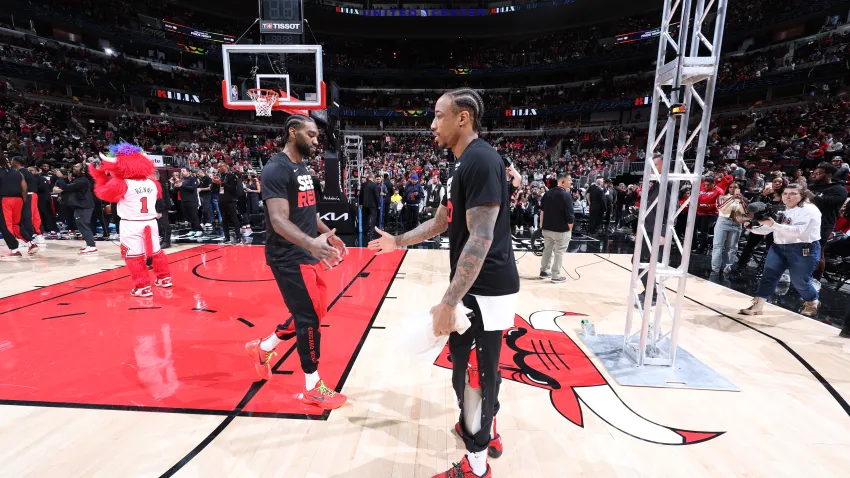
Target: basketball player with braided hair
[[297, 242], [476, 213]]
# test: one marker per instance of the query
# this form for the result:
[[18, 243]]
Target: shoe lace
[[456, 471], [325, 390], [268, 358]]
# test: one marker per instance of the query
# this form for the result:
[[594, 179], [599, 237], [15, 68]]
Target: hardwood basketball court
[[96, 383]]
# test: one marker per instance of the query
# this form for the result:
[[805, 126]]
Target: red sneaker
[[32, 249], [260, 358], [494, 449], [324, 397], [463, 470]]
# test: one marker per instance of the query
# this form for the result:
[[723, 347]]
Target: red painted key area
[[87, 343]]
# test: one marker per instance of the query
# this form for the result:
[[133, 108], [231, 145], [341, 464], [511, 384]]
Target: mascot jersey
[[139, 202]]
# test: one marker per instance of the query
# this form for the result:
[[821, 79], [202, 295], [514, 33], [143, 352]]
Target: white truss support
[[353, 151], [695, 62]]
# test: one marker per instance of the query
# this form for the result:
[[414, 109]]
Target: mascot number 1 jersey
[[139, 203]]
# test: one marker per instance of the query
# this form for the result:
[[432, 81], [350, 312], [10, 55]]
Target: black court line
[[379, 327], [66, 315], [79, 288], [144, 308], [324, 325], [256, 386], [365, 274], [201, 276], [391, 297], [283, 372], [205, 310], [249, 324], [356, 353], [348, 296], [64, 303], [820, 378]]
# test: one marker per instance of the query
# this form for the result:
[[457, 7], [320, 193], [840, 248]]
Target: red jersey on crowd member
[[708, 194], [842, 225], [723, 181]]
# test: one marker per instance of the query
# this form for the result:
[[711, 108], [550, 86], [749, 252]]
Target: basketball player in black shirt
[[293, 251], [476, 212]]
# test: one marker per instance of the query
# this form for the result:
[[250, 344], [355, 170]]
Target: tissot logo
[[278, 27]]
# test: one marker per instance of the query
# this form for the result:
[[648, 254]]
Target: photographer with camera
[[796, 248], [829, 196]]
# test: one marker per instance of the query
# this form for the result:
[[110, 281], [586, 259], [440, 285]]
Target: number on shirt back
[[144, 200]]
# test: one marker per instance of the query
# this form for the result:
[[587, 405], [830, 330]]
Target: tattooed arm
[[426, 230], [481, 221]]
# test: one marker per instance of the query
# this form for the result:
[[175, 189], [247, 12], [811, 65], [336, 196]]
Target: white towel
[[418, 334]]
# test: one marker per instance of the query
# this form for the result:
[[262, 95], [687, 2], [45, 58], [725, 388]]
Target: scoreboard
[[282, 21]]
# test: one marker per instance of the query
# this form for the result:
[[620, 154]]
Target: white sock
[[270, 342], [311, 380], [478, 462], [493, 429]]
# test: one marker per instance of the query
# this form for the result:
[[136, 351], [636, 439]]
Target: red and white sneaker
[[324, 397], [260, 359], [88, 250], [14, 253], [165, 282], [463, 470], [142, 292], [494, 449]]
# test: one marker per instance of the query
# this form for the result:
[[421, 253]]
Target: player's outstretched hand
[[337, 243], [321, 248], [383, 244]]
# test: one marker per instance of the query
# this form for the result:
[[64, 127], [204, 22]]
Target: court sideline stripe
[[93, 285], [256, 386], [820, 378]]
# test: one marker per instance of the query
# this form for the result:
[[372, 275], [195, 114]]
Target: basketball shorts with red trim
[[133, 237], [304, 292]]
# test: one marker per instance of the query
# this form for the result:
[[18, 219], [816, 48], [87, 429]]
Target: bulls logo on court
[[542, 355]]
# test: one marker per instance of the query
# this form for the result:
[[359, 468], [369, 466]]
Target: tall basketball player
[[293, 251], [484, 277]]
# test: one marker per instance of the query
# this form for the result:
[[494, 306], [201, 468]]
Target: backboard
[[294, 71]]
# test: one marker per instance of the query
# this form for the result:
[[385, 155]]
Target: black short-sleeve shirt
[[558, 212], [284, 179], [479, 179]]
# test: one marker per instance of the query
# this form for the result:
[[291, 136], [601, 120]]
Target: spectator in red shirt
[[706, 211]]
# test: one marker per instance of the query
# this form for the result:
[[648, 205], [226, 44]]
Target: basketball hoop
[[264, 100]]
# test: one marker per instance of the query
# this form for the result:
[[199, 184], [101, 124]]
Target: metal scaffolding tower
[[694, 62], [353, 151]]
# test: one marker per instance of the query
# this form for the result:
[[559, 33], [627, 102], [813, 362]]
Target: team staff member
[[190, 202], [556, 216], [78, 197], [476, 212], [10, 183], [13, 192], [293, 251], [230, 186], [30, 220]]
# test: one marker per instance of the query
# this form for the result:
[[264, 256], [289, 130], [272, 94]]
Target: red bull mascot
[[124, 177]]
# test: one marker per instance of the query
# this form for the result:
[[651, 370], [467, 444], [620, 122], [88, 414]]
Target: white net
[[263, 100]]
